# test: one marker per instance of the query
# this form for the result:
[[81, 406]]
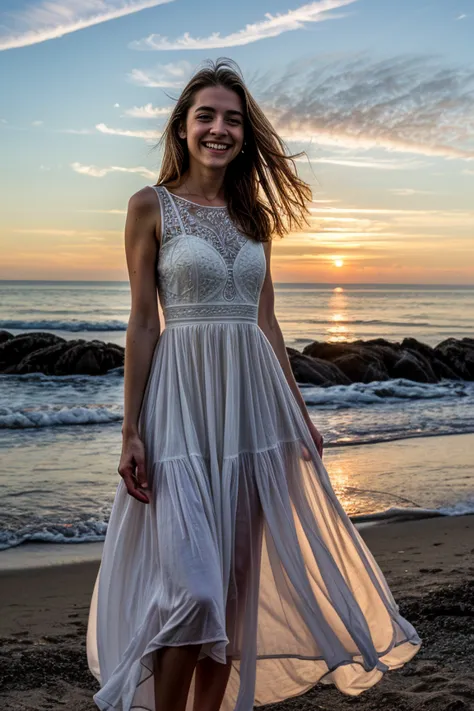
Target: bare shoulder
[[144, 211], [144, 202]]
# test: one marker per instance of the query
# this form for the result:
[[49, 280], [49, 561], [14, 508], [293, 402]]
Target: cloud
[[272, 26], [94, 172], [407, 192], [461, 17], [405, 104], [106, 212], [149, 135], [372, 163], [37, 123], [148, 111], [166, 76], [52, 19], [76, 131], [90, 235]]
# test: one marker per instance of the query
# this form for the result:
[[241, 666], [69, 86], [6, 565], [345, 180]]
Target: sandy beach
[[429, 565]]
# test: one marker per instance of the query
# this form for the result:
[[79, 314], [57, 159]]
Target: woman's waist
[[184, 314]]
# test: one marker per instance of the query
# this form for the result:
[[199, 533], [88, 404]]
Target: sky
[[379, 95]]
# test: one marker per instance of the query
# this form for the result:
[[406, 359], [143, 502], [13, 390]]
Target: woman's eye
[[203, 116]]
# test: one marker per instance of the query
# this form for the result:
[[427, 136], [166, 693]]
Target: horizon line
[[276, 283]]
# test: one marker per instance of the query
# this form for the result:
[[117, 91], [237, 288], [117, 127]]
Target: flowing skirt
[[244, 547]]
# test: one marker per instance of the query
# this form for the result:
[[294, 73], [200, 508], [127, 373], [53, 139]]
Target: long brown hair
[[264, 194]]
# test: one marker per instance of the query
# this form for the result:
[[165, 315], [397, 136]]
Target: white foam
[[58, 415], [377, 392]]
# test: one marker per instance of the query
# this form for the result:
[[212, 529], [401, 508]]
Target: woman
[[230, 574]]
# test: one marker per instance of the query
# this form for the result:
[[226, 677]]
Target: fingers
[[141, 473], [306, 453], [133, 486]]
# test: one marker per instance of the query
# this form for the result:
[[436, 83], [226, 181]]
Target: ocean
[[392, 448]]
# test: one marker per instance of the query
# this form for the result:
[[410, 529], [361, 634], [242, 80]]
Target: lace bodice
[[207, 269]]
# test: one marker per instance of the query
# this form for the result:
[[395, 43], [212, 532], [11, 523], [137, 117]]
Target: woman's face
[[214, 127]]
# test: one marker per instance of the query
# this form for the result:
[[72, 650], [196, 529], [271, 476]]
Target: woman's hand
[[318, 440], [132, 468]]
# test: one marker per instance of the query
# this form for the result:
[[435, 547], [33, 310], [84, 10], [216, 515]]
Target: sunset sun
[[338, 263]]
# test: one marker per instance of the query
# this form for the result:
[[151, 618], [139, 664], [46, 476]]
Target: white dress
[[244, 547]]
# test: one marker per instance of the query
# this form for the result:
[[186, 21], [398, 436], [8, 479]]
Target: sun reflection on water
[[339, 331]]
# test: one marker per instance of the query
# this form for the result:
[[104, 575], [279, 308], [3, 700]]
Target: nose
[[218, 126]]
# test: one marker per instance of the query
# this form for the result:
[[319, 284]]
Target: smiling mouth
[[216, 147]]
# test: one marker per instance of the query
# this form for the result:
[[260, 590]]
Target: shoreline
[[429, 565], [409, 479]]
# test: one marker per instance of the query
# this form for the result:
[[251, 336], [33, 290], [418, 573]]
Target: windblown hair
[[263, 192]]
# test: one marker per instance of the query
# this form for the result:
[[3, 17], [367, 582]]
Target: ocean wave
[[58, 415], [71, 326], [400, 513], [78, 532], [95, 531], [376, 392], [59, 380]]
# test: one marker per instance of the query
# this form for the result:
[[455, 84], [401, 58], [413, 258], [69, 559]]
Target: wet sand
[[429, 565]]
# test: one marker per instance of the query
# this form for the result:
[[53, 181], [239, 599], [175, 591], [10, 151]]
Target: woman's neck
[[206, 184]]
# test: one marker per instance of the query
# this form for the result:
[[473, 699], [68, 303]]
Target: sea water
[[60, 437]]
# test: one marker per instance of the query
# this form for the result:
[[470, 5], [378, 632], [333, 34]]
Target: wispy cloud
[[148, 135], [461, 17], [94, 171], [105, 212], [408, 105], [408, 192], [76, 131], [52, 19], [271, 26], [93, 235], [148, 111], [372, 163], [166, 76]]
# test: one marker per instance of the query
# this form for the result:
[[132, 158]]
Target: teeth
[[216, 146]]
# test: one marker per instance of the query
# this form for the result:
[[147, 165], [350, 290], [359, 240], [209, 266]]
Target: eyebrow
[[209, 108]]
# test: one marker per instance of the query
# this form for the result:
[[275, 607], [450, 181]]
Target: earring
[[245, 143]]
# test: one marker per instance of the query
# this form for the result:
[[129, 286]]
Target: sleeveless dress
[[244, 547]]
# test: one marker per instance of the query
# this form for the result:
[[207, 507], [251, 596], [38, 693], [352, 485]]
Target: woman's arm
[[268, 322], [142, 235]]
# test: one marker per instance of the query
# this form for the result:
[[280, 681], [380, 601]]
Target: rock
[[15, 348], [362, 367], [56, 356], [315, 370], [413, 366], [327, 351], [440, 368], [93, 358], [379, 359], [459, 355], [5, 336]]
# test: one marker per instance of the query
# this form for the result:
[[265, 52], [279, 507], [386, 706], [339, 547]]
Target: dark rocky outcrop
[[320, 363], [459, 355], [45, 353], [378, 359], [315, 370]]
